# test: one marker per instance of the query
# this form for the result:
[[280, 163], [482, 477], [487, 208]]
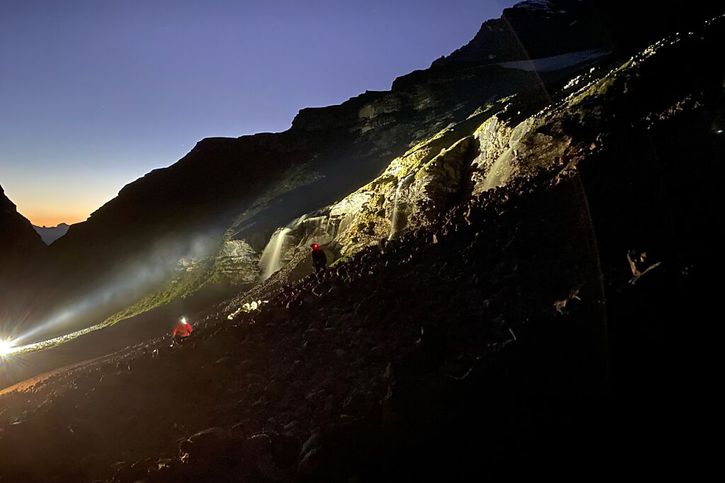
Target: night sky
[[95, 93]]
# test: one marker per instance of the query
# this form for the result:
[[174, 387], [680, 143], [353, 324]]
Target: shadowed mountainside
[[21, 253], [18, 241]]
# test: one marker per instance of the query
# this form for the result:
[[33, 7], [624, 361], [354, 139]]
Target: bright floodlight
[[183, 320], [6, 347]]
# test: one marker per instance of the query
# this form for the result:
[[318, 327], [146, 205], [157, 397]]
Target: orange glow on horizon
[[54, 219], [44, 208]]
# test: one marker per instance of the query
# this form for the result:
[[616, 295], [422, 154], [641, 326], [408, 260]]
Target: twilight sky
[[95, 93]]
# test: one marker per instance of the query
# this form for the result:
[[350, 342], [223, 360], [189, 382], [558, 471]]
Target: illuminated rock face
[[499, 144], [414, 189]]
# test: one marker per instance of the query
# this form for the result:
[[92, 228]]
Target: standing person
[[319, 259]]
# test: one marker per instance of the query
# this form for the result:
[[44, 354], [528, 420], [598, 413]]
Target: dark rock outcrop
[[18, 241], [21, 256]]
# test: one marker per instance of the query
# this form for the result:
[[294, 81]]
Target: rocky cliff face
[[17, 238], [534, 29], [541, 28], [21, 253], [496, 145]]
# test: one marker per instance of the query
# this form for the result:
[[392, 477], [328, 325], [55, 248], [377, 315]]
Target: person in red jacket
[[319, 259], [181, 330]]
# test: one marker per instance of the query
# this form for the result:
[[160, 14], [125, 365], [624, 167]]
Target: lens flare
[[7, 347]]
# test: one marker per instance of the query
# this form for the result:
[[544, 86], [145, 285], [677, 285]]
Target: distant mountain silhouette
[[49, 234]]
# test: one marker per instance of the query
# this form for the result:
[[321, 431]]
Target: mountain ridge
[[327, 153]]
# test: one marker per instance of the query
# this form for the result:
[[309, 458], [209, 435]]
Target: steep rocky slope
[[493, 146], [216, 208], [21, 251], [522, 331], [341, 147], [264, 178]]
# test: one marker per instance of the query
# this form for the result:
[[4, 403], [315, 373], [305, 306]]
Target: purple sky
[[95, 93]]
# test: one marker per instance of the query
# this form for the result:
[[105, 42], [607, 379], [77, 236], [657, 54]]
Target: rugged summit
[[543, 28]]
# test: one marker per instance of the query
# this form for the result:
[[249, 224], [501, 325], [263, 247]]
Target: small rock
[[204, 444], [388, 371], [310, 463], [259, 448], [312, 442]]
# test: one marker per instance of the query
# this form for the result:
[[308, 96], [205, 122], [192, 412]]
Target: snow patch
[[557, 62]]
